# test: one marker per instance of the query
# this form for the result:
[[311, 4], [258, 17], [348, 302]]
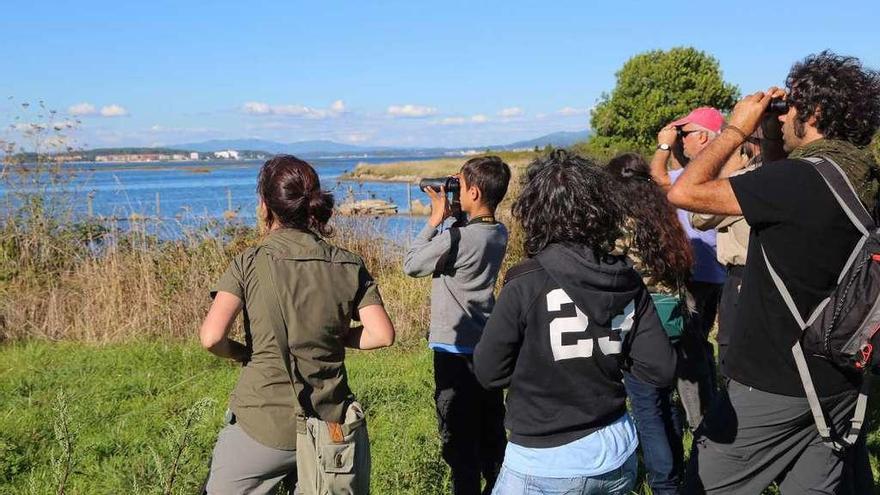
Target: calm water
[[192, 193]]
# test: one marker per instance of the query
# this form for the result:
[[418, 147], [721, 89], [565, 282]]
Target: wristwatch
[[664, 147]]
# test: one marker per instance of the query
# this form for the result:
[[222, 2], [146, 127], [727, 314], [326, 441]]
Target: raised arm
[[699, 189], [665, 142], [428, 246]]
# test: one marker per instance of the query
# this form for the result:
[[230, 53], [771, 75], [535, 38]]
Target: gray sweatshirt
[[462, 296]]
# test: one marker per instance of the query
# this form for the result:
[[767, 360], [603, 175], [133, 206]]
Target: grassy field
[[413, 171], [124, 408], [119, 413]]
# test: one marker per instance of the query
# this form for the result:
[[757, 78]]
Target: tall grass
[[63, 278], [96, 283]]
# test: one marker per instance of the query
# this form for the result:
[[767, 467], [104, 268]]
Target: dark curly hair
[[844, 96], [567, 198], [291, 191], [657, 235]]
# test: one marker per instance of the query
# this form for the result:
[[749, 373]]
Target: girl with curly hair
[[660, 251], [568, 322]]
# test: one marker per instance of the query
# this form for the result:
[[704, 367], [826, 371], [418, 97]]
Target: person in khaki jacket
[[298, 294]]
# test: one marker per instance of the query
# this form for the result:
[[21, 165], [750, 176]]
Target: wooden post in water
[[158, 207], [409, 198], [89, 206]]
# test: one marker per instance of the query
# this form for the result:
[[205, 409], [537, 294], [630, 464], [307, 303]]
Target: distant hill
[[561, 139], [297, 148], [323, 146]]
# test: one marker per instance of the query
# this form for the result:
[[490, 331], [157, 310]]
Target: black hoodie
[[563, 328]]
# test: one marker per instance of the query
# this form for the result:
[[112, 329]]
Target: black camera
[[451, 184], [777, 105]]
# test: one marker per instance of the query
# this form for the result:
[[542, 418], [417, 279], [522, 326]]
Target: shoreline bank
[[414, 171]]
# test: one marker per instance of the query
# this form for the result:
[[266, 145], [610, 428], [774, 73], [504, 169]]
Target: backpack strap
[[844, 192], [446, 263], [849, 202], [839, 185], [825, 432]]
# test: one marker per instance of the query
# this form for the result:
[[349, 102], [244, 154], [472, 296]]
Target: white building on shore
[[227, 155]]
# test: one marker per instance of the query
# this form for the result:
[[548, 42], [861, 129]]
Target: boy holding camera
[[464, 261]]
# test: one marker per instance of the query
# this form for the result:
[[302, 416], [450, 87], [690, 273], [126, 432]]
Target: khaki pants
[[334, 459]]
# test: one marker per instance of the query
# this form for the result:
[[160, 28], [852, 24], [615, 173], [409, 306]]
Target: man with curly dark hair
[[763, 430], [567, 323]]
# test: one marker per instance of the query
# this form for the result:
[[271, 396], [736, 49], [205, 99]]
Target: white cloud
[[571, 111], [295, 110], [291, 110], [474, 119], [510, 112], [113, 111], [411, 111], [453, 121], [82, 109], [256, 108], [337, 106], [356, 137]]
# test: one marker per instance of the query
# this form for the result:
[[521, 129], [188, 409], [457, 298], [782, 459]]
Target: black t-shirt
[[808, 238]]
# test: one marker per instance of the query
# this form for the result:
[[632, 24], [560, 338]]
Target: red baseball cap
[[706, 117]]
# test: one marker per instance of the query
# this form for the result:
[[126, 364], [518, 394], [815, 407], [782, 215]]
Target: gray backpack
[[843, 328]]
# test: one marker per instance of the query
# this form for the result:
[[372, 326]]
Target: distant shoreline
[[414, 171]]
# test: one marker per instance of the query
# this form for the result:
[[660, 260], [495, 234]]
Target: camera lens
[[778, 105]]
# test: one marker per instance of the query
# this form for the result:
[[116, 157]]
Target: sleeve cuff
[[371, 297]]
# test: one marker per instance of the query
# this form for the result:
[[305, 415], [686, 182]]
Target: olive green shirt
[[320, 288]]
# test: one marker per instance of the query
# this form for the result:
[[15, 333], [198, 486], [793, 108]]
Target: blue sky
[[389, 73]]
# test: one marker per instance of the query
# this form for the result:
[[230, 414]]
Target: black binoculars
[[777, 105], [451, 184]]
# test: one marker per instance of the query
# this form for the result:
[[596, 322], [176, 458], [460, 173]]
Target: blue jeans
[[618, 481], [658, 423]]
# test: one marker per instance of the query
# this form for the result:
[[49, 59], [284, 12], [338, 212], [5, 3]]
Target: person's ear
[[813, 121], [475, 193]]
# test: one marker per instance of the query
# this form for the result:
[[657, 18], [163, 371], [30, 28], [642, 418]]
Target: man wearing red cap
[[697, 384], [696, 130]]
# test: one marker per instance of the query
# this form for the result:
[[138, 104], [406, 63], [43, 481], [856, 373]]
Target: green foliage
[[654, 88], [604, 148]]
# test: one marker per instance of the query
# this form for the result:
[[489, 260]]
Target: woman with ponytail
[[298, 294]]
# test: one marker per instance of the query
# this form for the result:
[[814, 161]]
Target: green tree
[[652, 89]]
